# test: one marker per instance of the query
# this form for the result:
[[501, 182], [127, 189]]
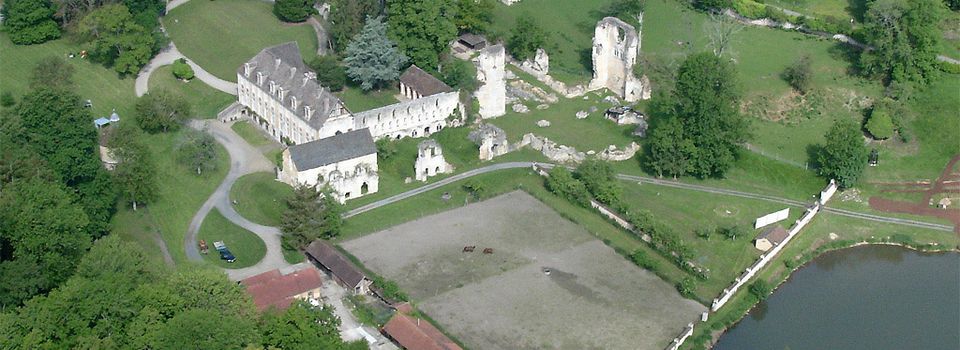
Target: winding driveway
[[171, 54]]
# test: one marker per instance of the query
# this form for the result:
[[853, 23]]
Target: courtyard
[[544, 277]]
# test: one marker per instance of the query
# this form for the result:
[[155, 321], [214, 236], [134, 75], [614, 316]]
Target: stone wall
[[414, 118], [430, 160], [491, 140], [351, 178], [615, 48], [490, 73]]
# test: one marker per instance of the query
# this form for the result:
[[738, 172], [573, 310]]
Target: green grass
[[101, 85], [569, 25], [593, 133], [251, 134], [259, 197], [840, 9], [180, 193], [358, 100], [206, 101], [293, 256], [222, 35], [245, 245]]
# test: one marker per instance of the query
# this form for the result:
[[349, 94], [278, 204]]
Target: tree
[[627, 10], [330, 72], [687, 287], [669, 151], [53, 72], [293, 10], [905, 37], [721, 30], [459, 75], [475, 187], [844, 156], [7, 99], [371, 58], [347, 18], [118, 40], [731, 231], [182, 70], [640, 258], [422, 29], [207, 329], [30, 21], [198, 150], [135, 173], [525, 38], [799, 75], [302, 326], [562, 183], [473, 16], [880, 125], [310, 214], [161, 111], [760, 289]]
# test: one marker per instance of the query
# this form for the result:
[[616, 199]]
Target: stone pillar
[[492, 93]]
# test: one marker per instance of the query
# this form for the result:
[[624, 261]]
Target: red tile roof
[[416, 334], [271, 289]]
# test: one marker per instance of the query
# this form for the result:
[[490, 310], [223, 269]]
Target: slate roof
[[472, 40], [333, 260], [416, 334], [283, 65], [317, 153], [775, 235], [272, 289], [422, 82]]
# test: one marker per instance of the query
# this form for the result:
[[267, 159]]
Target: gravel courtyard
[[592, 299]]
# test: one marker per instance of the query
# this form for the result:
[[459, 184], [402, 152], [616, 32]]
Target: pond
[[868, 297]]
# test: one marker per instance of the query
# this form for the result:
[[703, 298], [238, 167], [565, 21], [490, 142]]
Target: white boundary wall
[[772, 218]]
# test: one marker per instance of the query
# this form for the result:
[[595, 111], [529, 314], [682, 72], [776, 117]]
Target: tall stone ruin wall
[[615, 48], [413, 118], [492, 93]]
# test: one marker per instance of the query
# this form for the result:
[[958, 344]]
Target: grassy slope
[[358, 100], [181, 192], [206, 101], [250, 133], [94, 82], [259, 198], [222, 35], [245, 245]]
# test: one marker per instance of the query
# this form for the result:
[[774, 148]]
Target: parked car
[[225, 253]]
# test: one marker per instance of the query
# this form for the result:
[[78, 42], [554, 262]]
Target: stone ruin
[[509, 2], [430, 160], [615, 48], [539, 65], [491, 139], [490, 73]]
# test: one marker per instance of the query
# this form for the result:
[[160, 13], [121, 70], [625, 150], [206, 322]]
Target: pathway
[[322, 43], [169, 55]]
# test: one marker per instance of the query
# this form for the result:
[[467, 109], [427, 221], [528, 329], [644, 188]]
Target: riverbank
[[708, 333]]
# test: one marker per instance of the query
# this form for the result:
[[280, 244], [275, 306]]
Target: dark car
[[225, 253]]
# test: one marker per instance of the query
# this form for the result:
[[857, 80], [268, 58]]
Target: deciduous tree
[[422, 29], [135, 173], [473, 16], [301, 326], [117, 40], [905, 36], [330, 73], [293, 10], [347, 18], [669, 151], [198, 150], [182, 70], [525, 38], [371, 58], [53, 72], [880, 125], [799, 75], [30, 21], [162, 111], [844, 156]]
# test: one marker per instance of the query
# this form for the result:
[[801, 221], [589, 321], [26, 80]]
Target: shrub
[[760, 289], [641, 258], [7, 99], [799, 75], [749, 9], [330, 73], [386, 148], [880, 125], [731, 232], [526, 38], [562, 183], [390, 289], [686, 287], [293, 10], [705, 232], [949, 67], [477, 188], [182, 70]]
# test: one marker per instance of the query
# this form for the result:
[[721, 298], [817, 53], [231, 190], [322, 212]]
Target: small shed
[[771, 237], [624, 115], [944, 203], [472, 41]]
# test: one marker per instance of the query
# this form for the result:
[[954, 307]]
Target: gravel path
[[169, 55]]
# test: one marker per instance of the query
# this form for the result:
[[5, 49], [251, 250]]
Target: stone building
[[430, 160], [415, 83], [492, 141], [338, 266], [492, 94], [616, 45], [347, 162]]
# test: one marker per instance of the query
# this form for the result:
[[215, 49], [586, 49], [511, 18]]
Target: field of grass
[[569, 25], [358, 100], [251, 134], [245, 245], [222, 35], [842, 9], [259, 198], [206, 101], [100, 85], [180, 193]]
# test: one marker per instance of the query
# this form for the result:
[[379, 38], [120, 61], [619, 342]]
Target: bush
[[562, 183], [749, 9], [182, 70], [330, 73], [732, 231], [457, 74], [7, 99], [799, 75], [386, 148], [760, 289], [705, 232], [686, 287], [640, 258], [477, 188], [526, 38], [880, 125], [949, 67], [390, 289], [293, 10]]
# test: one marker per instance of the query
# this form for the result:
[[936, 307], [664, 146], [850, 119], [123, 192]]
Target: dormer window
[[280, 93], [293, 102], [273, 87], [260, 78], [307, 111]]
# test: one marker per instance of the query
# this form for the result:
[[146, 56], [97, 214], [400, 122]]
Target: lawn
[[245, 245], [206, 101], [259, 197], [222, 35], [251, 134], [592, 133], [180, 193], [100, 85], [358, 100], [569, 25]]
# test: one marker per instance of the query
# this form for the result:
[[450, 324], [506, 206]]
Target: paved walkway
[[169, 55]]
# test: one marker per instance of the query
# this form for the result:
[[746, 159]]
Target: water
[[869, 297]]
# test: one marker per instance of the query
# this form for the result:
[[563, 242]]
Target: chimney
[[246, 69], [293, 72], [276, 64]]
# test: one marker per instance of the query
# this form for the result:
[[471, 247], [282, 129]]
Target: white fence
[[772, 218]]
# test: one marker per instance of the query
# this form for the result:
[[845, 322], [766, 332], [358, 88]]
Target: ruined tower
[[615, 48], [492, 93]]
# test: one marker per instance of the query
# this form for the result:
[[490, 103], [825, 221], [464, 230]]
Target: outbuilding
[[771, 237], [342, 270]]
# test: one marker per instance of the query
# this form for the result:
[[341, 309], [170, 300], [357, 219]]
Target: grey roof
[[333, 260], [472, 39], [423, 82], [332, 149], [283, 65], [775, 234]]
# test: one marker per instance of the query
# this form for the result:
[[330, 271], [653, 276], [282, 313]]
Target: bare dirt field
[[592, 299]]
